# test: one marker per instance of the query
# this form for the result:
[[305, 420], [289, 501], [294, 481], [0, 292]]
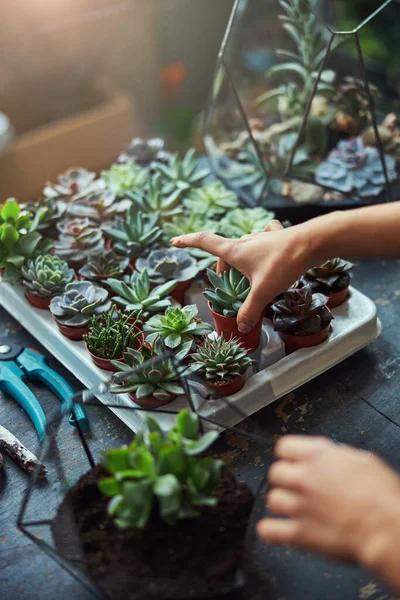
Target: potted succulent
[[164, 264], [192, 223], [44, 277], [224, 301], [144, 152], [137, 294], [166, 519], [123, 178], [223, 363], [331, 279], [181, 174], [211, 200], [244, 221], [100, 206], [73, 310], [302, 318], [151, 385], [101, 267], [152, 199], [77, 240], [110, 335], [176, 327], [75, 181], [46, 213]]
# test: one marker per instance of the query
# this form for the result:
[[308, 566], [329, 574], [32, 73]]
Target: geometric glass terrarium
[[304, 103]]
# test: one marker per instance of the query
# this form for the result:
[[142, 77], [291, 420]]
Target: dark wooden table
[[335, 405]]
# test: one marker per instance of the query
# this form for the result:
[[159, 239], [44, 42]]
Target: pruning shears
[[18, 365]]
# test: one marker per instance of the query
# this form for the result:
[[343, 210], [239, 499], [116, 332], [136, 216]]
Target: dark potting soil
[[187, 560]]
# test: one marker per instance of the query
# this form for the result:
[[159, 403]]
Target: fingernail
[[244, 328], [172, 240]]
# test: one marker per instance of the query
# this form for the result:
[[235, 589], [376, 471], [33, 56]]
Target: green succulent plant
[[123, 178], [159, 379], [138, 295], [79, 302], [181, 174], [162, 472], [77, 240], [205, 260], [17, 241], [244, 221], [73, 182], [165, 264], [46, 275], [99, 207], [192, 223], [104, 266], [220, 360], [176, 327], [111, 333], [301, 312], [46, 213], [230, 291], [152, 199], [211, 200], [135, 233], [332, 276]]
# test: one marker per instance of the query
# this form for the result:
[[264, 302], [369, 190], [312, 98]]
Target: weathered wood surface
[[333, 405]]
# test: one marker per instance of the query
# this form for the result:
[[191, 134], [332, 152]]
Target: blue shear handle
[[35, 365], [12, 382]]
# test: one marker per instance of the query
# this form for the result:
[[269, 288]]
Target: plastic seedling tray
[[354, 327]]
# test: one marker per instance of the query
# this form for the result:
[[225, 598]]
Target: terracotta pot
[[178, 293], [295, 342], [150, 401], [227, 327], [103, 363], [42, 302], [73, 333], [229, 388], [338, 298]]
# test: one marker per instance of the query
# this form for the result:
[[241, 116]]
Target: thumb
[[252, 309]]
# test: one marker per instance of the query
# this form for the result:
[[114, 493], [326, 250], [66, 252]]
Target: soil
[[191, 560]]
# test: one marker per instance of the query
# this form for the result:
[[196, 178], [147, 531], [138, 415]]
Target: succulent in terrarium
[[77, 240], [230, 291], [104, 266], [46, 275], [79, 302], [219, 360], [212, 199], [244, 221], [330, 277], [152, 199], [144, 152], [98, 207], [136, 295], [181, 174], [164, 264], [135, 233], [301, 312], [192, 223], [111, 333], [355, 168], [123, 178], [73, 182], [176, 326]]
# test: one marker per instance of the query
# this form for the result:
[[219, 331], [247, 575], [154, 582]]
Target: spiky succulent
[[79, 302], [122, 178], [104, 266], [230, 291], [46, 275], [176, 327], [243, 221], [144, 152], [135, 233], [77, 240], [192, 223], [152, 199], [301, 312], [98, 207], [181, 174], [111, 333], [73, 182], [138, 296], [220, 360], [165, 264], [211, 200], [332, 276], [160, 379], [355, 168]]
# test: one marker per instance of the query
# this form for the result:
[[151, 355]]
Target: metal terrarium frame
[[251, 176]]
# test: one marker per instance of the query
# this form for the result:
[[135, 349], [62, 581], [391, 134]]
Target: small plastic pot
[[150, 401], [178, 293], [295, 342], [42, 302], [72, 333], [227, 327], [229, 388], [338, 298]]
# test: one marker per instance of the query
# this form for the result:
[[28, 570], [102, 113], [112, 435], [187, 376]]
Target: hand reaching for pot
[[335, 500]]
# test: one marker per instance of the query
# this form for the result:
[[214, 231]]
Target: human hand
[[335, 500]]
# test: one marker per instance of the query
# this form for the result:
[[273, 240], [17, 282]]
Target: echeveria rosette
[[220, 360], [46, 275], [330, 277], [79, 302], [46, 213], [355, 168], [301, 312], [211, 200], [144, 152], [152, 199], [181, 174], [135, 233], [165, 264], [77, 240], [123, 178], [186, 224], [99, 207], [230, 291], [75, 181], [103, 266], [176, 327], [244, 221]]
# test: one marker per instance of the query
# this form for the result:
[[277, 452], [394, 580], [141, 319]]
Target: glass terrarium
[[305, 102]]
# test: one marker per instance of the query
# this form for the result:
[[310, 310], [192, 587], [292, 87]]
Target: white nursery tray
[[354, 327]]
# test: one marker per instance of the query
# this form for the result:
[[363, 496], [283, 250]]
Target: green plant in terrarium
[[176, 327], [163, 472], [181, 174], [112, 333], [46, 275], [244, 221], [191, 223], [126, 177], [220, 360], [152, 199], [135, 233], [79, 302], [211, 200], [230, 291]]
